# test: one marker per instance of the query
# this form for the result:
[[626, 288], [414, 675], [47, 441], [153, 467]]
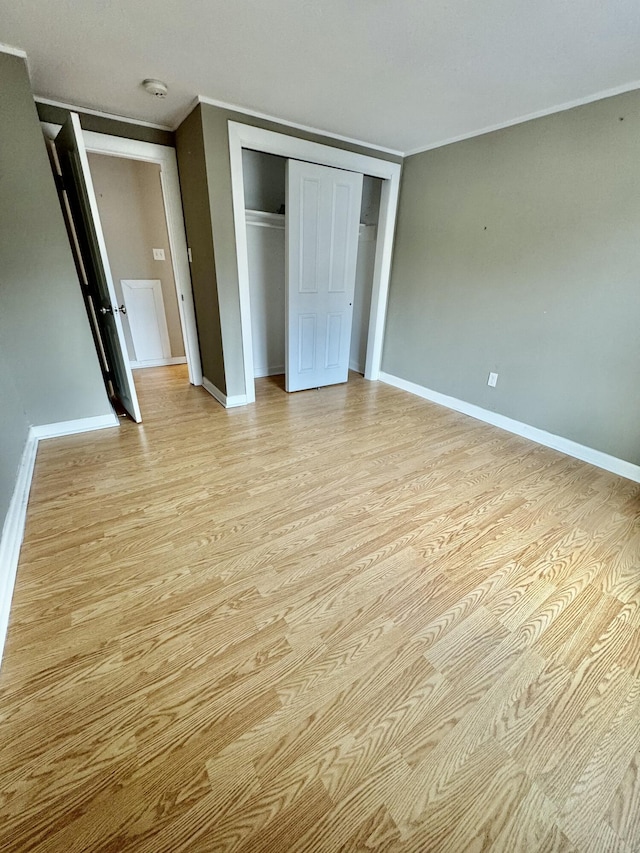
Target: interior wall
[[517, 252], [266, 254], [103, 124], [369, 213], [50, 370], [132, 214], [192, 166], [264, 181], [370, 209], [362, 297], [222, 278]]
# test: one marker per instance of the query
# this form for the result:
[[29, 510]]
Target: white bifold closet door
[[323, 216]]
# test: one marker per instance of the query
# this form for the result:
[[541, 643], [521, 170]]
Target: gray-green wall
[[102, 124], [50, 370], [519, 252], [224, 277], [197, 221]]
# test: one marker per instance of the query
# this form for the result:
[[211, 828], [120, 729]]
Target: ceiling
[[405, 74]]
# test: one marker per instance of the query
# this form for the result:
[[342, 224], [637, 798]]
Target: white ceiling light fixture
[[155, 87]]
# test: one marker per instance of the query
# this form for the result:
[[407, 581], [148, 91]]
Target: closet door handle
[[122, 309]]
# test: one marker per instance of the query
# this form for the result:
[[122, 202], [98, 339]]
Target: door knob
[[107, 310], [123, 309]]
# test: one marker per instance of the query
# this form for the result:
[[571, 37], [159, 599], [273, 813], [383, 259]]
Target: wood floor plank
[[340, 620], [623, 812], [589, 798], [528, 824]]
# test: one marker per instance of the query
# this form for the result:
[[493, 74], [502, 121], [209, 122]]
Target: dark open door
[[93, 264]]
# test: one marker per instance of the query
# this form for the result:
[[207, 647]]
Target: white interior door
[[147, 319], [93, 261], [323, 215]]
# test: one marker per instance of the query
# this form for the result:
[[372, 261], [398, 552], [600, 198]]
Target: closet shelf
[[264, 219]]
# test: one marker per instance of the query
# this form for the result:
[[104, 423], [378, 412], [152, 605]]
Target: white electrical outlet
[[158, 254], [492, 380]]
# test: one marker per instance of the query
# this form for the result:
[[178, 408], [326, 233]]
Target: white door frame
[[246, 136], [165, 157]]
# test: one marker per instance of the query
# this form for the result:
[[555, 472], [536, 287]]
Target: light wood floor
[[342, 620]]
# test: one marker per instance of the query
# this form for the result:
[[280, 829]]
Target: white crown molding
[[88, 111], [202, 99], [14, 51], [227, 402], [557, 442], [559, 108]]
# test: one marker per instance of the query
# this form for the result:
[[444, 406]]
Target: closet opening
[[265, 217], [292, 148]]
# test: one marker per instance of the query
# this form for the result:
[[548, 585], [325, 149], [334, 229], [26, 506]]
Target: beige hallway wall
[[132, 214]]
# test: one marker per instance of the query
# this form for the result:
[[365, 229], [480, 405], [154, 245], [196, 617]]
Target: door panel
[[309, 222], [339, 256], [147, 319], [323, 214], [334, 336], [93, 260], [307, 343]]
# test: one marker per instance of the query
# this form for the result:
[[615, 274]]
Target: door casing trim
[[247, 136]]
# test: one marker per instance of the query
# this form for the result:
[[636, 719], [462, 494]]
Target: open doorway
[[131, 210], [106, 305]]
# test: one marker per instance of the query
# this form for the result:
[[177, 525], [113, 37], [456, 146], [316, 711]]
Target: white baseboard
[[353, 365], [157, 362], [72, 427], [259, 372], [14, 523], [227, 402], [565, 445], [12, 533]]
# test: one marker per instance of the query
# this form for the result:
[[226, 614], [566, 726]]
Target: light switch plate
[[158, 254], [492, 380]]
